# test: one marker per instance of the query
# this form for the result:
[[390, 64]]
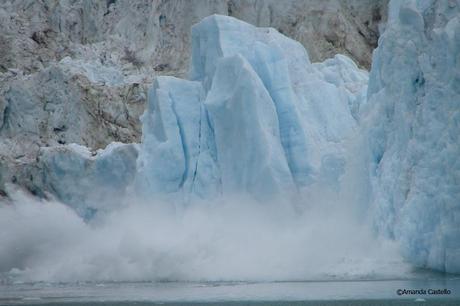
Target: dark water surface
[[320, 293], [267, 303]]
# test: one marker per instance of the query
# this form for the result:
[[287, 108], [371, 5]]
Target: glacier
[[258, 124], [412, 122], [255, 118]]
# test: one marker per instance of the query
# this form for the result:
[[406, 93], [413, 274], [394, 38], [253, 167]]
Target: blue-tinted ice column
[[313, 102], [171, 137], [413, 122], [247, 135], [257, 117], [277, 61]]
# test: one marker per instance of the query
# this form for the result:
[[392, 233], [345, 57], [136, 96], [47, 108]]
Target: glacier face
[[267, 122], [256, 118], [99, 59], [170, 148], [246, 131], [412, 119]]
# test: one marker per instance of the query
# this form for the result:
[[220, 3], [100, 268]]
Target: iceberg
[[412, 121]]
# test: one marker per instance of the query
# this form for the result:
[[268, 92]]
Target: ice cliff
[[257, 117], [413, 125], [80, 70]]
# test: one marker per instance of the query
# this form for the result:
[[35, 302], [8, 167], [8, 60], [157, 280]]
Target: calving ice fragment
[[262, 120]]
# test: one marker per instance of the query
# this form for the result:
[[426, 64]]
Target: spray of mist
[[232, 239]]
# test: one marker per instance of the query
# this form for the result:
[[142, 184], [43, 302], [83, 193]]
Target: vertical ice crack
[[182, 139], [199, 149]]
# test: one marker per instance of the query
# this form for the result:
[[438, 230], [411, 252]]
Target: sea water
[[330, 292]]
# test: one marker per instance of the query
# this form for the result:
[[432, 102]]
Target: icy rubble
[[157, 34], [73, 101], [412, 119], [68, 102]]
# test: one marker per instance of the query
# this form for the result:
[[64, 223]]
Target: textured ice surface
[[246, 131], [86, 181], [413, 121], [258, 117], [171, 137]]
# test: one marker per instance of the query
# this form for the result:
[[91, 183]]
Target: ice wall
[[413, 123], [257, 118], [97, 59]]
